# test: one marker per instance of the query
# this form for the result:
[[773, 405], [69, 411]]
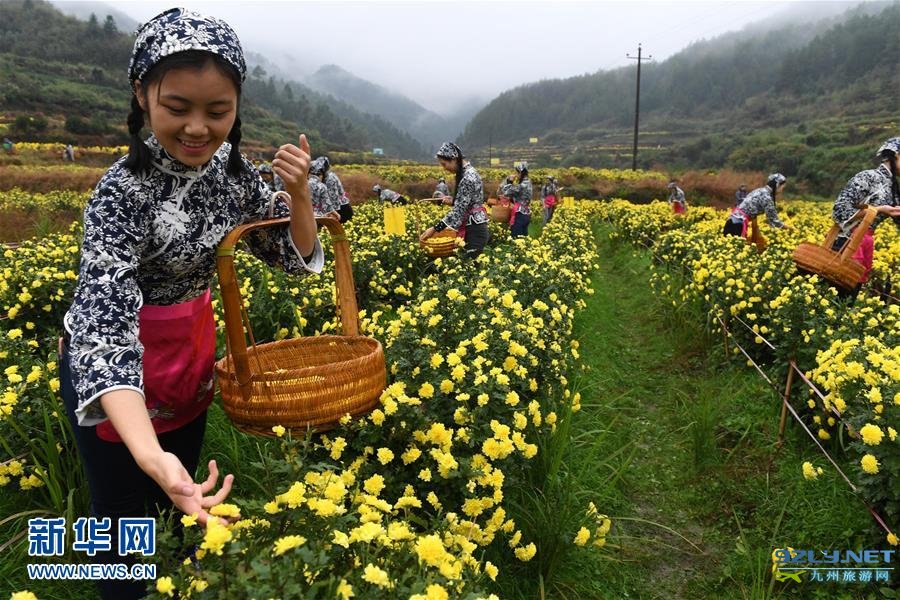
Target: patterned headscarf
[[892, 144], [776, 178], [317, 166], [450, 151], [522, 166], [179, 30]]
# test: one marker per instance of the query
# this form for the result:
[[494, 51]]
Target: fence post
[[784, 403], [725, 337]]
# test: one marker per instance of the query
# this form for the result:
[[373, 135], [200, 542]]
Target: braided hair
[[139, 157], [773, 187], [773, 184], [459, 169], [138, 153]]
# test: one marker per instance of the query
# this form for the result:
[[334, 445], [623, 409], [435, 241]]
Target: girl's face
[[447, 164], [191, 112]]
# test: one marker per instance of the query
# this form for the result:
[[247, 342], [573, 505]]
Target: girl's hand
[[426, 234], [187, 496], [291, 163], [891, 211]]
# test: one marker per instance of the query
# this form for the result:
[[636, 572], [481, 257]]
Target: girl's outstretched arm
[[128, 414]]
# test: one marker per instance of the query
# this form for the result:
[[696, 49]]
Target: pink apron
[[746, 220], [179, 355], [865, 254], [549, 201], [513, 211], [678, 207]]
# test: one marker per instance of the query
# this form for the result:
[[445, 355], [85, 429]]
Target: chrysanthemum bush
[[849, 348], [17, 198], [861, 378], [411, 499], [479, 357], [35, 280], [398, 174]]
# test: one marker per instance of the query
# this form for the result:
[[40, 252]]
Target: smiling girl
[[137, 357], [468, 216]]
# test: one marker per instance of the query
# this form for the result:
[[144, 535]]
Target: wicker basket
[[501, 210], [441, 244], [756, 238], [838, 267], [302, 383]]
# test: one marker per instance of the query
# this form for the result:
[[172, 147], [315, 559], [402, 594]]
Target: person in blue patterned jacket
[[759, 201], [272, 180], [467, 215], [138, 350], [386, 195], [877, 188], [441, 189], [326, 202], [520, 193], [337, 196]]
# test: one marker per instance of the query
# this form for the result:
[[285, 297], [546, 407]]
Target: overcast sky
[[440, 53]]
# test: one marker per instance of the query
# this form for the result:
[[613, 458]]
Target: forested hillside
[[64, 79], [807, 100]]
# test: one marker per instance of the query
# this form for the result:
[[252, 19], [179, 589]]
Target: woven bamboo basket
[[441, 244], [838, 267], [501, 210], [756, 237], [302, 383]]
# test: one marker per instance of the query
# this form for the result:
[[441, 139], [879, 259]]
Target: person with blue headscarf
[[137, 354], [759, 201], [877, 188], [467, 214]]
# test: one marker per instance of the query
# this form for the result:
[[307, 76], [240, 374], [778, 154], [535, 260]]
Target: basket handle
[[232, 303], [866, 216]]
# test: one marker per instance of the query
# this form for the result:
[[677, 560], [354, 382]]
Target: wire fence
[[792, 369]]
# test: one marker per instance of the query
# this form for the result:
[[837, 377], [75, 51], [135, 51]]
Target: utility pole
[[637, 103]]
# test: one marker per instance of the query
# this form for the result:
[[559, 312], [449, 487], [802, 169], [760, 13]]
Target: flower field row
[[851, 350], [58, 179], [18, 199], [57, 148], [414, 173], [410, 501]]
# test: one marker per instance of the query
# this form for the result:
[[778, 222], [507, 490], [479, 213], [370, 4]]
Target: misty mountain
[[70, 74], [708, 104], [424, 125], [84, 10]]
